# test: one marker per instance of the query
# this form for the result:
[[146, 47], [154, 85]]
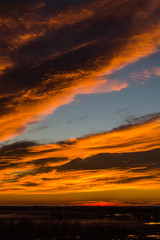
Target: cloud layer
[[50, 52], [120, 160]]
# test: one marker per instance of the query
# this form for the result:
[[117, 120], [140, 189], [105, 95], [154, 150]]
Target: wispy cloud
[[146, 74]]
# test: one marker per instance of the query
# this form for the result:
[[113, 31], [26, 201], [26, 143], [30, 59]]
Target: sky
[[80, 102]]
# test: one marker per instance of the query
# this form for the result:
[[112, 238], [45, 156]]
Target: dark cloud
[[51, 179], [147, 160], [30, 184], [40, 166], [10, 165], [16, 150], [44, 161], [140, 120], [11, 157], [134, 179], [123, 180], [20, 149], [135, 121], [34, 172], [14, 180], [47, 47]]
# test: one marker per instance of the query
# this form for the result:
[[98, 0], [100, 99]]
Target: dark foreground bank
[[97, 223]]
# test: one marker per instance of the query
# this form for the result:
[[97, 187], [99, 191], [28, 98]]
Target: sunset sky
[[80, 102]]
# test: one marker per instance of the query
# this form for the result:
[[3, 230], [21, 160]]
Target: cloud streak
[[123, 159], [50, 52]]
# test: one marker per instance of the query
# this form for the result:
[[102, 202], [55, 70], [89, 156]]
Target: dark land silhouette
[[79, 222]]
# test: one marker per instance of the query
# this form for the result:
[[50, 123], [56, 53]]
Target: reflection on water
[[153, 236], [131, 236], [152, 223], [83, 223]]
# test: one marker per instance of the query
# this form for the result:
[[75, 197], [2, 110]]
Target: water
[[95, 223]]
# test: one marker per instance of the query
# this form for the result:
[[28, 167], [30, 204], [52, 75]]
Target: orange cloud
[[53, 76], [48, 56], [140, 137], [120, 160], [32, 107]]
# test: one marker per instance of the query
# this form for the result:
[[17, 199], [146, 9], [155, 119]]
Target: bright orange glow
[[102, 204], [36, 171]]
